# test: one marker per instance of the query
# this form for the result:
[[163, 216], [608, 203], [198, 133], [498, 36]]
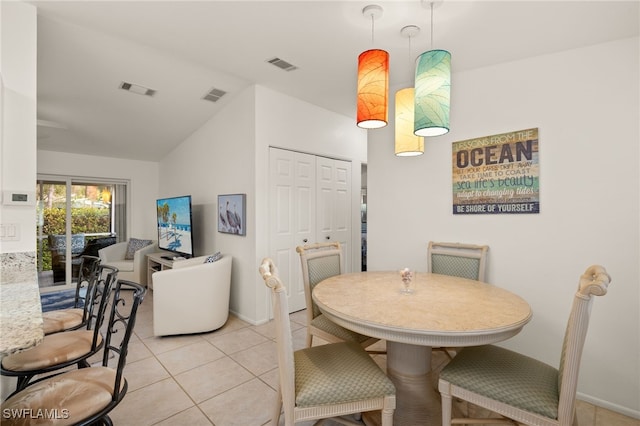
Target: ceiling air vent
[[282, 64], [135, 88], [214, 95]]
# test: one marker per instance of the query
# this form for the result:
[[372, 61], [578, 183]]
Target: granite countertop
[[20, 309], [20, 316]]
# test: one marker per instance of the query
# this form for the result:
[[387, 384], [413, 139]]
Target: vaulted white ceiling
[[183, 49]]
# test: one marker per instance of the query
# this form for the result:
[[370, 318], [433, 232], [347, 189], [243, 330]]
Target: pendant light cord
[[431, 25], [372, 29]]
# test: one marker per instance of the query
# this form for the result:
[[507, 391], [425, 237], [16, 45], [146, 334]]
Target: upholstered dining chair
[[457, 259], [84, 396], [61, 350], [324, 381], [522, 389], [77, 316], [321, 261]]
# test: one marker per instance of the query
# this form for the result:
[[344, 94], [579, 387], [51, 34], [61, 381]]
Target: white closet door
[[292, 205], [334, 204]]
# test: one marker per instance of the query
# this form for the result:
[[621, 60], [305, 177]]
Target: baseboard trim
[[245, 319], [625, 411]]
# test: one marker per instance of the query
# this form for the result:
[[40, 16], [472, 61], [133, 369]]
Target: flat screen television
[[175, 225]]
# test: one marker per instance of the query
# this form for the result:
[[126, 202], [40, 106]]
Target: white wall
[[18, 117], [18, 34], [585, 104], [288, 123], [230, 155], [219, 159], [143, 177]]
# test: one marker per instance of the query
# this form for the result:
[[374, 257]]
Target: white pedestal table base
[[417, 402]]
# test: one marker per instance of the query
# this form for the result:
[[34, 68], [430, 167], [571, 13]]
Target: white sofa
[[131, 270], [192, 297]]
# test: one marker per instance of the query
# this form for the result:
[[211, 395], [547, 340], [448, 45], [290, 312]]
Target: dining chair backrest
[[319, 261], [594, 282], [75, 317], [286, 367], [323, 381], [520, 387], [87, 277], [122, 320], [99, 300], [457, 259]]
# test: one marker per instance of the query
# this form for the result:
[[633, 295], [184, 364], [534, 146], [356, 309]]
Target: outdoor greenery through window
[[75, 218]]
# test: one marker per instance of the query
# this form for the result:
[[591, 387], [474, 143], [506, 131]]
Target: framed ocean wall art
[[498, 174], [232, 214]]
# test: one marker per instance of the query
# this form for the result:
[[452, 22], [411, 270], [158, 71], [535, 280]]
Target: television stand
[[157, 262]]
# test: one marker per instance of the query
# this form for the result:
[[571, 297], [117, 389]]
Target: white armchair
[[131, 270], [192, 297]]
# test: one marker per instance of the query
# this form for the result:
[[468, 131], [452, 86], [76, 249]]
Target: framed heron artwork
[[232, 214]]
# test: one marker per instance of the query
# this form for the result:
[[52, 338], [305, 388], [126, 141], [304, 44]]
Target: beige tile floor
[[227, 377]]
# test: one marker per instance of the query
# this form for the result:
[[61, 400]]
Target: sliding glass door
[[76, 216]]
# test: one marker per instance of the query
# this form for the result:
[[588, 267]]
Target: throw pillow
[[134, 245], [213, 258]]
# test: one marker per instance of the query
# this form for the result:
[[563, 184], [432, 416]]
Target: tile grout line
[[595, 412], [226, 355]]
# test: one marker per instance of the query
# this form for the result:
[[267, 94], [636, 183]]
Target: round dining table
[[440, 311]]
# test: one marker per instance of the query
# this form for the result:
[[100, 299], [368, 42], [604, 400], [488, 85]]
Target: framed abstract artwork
[[232, 214]]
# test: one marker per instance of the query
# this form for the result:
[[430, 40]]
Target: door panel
[[75, 217], [292, 201], [325, 213], [52, 230], [334, 204], [304, 183], [283, 199], [309, 202]]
